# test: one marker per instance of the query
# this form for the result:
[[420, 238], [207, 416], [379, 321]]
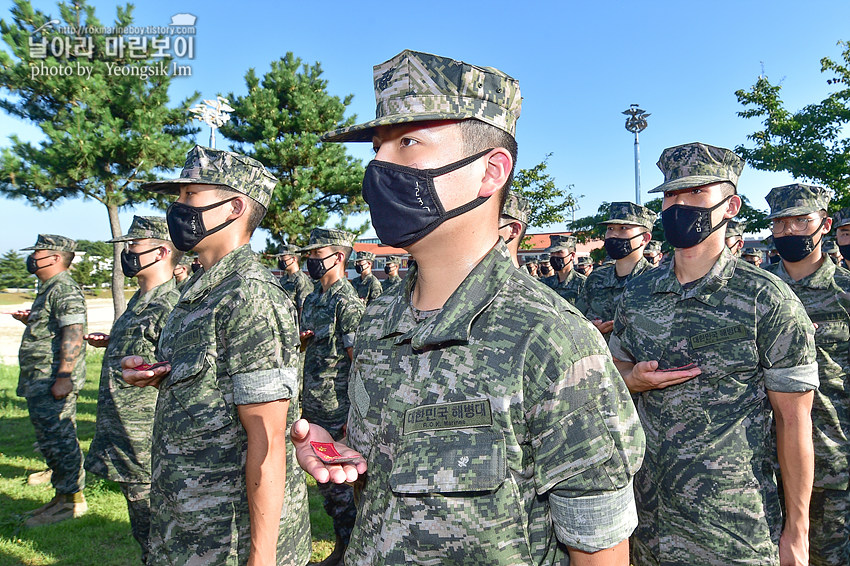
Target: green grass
[[16, 298], [102, 536]]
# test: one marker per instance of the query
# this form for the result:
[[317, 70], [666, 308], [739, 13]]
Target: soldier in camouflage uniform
[[297, 283], [716, 350], [328, 324], [830, 249], [800, 221], [513, 222], [735, 236], [544, 269], [367, 285], [120, 450], [532, 268], [628, 231], [488, 413], [53, 370], [566, 281], [391, 266], [841, 223], [652, 253], [584, 265], [182, 271], [224, 486], [752, 255]]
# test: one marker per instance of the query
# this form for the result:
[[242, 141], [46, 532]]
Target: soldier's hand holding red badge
[[136, 372], [22, 315], [97, 339], [322, 458]]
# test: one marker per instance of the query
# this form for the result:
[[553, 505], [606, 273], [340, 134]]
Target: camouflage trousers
[[339, 499], [55, 423], [138, 497], [829, 527]]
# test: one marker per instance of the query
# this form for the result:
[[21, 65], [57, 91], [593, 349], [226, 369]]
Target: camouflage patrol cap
[[630, 213], [558, 242], [54, 243], [841, 218], [392, 259], [584, 260], [543, 258], [365, 256], [751, 251], [735, 228], [207, 166], [516, 207], [415, 87], [796, 200], [322, 237], [697, 164], [653, 247], [287, 249], [144, 227]]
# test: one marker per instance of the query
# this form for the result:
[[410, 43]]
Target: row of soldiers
[[480, 417]]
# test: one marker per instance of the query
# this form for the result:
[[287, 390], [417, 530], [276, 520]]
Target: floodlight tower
[[214, 113], [636, 123]]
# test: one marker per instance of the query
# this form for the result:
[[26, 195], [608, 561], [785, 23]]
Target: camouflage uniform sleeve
[[376, 290], [349, 311], [69, 306], [587, 438], [262, 340], [786, 345], [615, 346]]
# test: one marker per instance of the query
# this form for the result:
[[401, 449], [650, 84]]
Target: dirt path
[[99, 320]]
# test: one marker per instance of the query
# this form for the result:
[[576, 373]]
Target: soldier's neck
[[690, 264], [800, 269]]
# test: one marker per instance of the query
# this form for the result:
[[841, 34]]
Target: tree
[[97, 262], [547, 202], [278, 122], [810, 143], [13, 272], [105, 132]]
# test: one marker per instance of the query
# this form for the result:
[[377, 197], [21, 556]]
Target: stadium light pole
[[636, 123]]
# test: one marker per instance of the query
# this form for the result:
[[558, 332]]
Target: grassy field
[[102, 536]]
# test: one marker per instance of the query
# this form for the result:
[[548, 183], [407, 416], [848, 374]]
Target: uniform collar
[[142, 301], [705, 290], [204, 280], [610, 276], [454, 321], [61, 276], [822, 278]]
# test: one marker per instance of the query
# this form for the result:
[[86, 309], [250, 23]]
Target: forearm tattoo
[[71, 344]]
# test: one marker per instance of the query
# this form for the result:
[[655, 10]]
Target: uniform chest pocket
[[832, 331], [449, 461], [197, 404], [323, 331]]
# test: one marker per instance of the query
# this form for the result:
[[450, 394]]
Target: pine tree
[[13, 272], [104, 133]]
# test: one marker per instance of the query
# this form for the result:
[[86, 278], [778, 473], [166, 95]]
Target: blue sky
[[579, 66]]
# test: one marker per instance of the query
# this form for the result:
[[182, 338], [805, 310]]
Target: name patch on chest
[[737, 332], [187, 338], [461, 414]]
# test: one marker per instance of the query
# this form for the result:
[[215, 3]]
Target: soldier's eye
[[407, 142]]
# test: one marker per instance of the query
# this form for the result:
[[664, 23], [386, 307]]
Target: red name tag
[[145, 367]]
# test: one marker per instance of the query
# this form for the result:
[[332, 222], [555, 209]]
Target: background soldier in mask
[[367, 285], [752, 255], [224, 487], [627, 231], [513, 222], [799, 222], [294, 281], [53, 370], [584, 265], [735, 236], [328, 326], [544, 269], [652, 253], [709, 344], [391, 269], [470, 381], [566, 281], [121, 448]]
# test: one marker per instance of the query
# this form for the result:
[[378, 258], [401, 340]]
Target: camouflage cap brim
[[688, 183], [172, 186], [364, 132], [793, 211]]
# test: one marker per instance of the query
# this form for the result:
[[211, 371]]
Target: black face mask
[[796, 247], [403, 202], [282, 264], [546, 270], [195, 267], [558, 263], [387, 269], [358, 268], [316, 266], [186, 224], [845, 251], [618, 248], [32, 264], [131, 264], [774, 259], [686, 226]]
